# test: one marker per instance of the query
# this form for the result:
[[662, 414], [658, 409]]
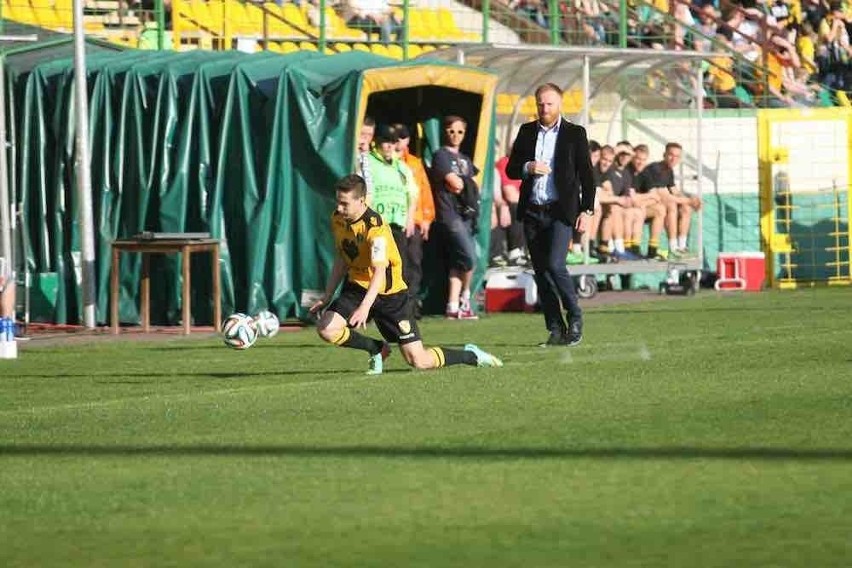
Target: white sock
[[515, 253], [452, 307], [681, 242], [619, 245], [577, 248]]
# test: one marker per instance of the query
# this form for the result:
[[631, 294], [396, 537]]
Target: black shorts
[[392, 313]]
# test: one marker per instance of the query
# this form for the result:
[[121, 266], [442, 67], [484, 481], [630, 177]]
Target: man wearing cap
[[394, 195]]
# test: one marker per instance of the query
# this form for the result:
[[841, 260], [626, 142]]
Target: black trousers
[[547, 240]]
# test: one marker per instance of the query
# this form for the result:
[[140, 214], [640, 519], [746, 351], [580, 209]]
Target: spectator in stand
[[746, 34], [365, 146], [532, 9], [645, 197], [394, 191], [424, 214], [720, 79], [373, 16], [507, 233], [659, 177], [453, 185], [834, 51], [706, 27]]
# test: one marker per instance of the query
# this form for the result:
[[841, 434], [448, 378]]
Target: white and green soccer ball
[[239, 331], [267, 323]]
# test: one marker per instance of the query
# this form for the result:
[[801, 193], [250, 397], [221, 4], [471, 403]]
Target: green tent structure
[[244, 147]]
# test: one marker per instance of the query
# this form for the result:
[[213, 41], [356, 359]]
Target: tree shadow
[[202, 374], [436, 452]]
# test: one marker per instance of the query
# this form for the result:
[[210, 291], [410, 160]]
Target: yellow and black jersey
[[367, 245]]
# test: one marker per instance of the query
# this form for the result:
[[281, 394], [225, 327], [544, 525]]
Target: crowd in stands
[[777, 52]]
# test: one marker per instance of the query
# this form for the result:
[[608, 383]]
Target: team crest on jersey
[[349, 248], [405, 327]]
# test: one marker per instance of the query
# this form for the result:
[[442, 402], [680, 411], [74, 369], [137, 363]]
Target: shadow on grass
[[200, 374], [437, 452]]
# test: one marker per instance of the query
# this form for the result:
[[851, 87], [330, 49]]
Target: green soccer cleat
[[377, 361], [483, 359]]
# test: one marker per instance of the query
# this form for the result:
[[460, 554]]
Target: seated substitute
[[645, 196], [678, 204], [619, 213], [374, 289]]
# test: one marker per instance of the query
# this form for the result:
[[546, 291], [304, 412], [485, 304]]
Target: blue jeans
[[459, 243], [547, 239]]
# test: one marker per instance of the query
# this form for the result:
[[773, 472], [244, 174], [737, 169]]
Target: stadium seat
[[358, 46], [449, 27], [289, 46], [379, 49], [337, 28], [298, 19], [414, 50], [843, 99], [341, 47], [395, 51], [307, 46]]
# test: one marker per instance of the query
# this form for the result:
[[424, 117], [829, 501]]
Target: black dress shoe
[[554, 339], [575, 333]]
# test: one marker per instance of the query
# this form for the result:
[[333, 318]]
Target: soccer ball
[[266, 323], [239, 331]]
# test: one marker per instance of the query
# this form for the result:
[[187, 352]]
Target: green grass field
[[705, 431]]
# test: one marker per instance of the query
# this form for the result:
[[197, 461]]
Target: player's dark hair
[[671, 145], [352, 183], [369, 121]]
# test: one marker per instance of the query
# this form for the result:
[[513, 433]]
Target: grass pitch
[[708, 431]]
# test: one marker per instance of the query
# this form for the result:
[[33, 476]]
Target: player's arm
[[338, 271]]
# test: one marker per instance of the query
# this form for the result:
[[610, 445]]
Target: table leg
[[186, 255], [145, 292], [113, 291], [217, 292]]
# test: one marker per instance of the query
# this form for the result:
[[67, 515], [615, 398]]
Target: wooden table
[[164, 246]]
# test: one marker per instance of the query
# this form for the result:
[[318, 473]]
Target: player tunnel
[[420, 96]]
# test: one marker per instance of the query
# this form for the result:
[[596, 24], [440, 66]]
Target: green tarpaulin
[[245, 147]]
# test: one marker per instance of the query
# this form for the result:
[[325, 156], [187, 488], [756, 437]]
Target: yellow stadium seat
[[337, 28], [414, 50], [341, 47], [201, 15], [417, 28], [358, 46], [41, 3], [448, 26], [843, 99], [289, 46], [394, 50], [307, 46]]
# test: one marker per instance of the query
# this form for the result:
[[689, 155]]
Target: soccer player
[[374, 289]]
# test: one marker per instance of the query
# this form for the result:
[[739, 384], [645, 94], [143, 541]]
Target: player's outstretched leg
[[483, 358], [421, 357]]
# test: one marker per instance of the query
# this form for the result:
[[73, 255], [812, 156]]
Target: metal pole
[[406, 28], [81, 166], [699, 97], [321, 39], [161, 24], [587, 89], [554, 21], [622, 24], [486, 18], [5, 210]]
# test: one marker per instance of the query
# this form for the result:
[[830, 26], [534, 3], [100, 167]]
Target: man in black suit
[[551, 156]]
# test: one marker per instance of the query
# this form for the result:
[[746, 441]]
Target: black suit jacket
[[572, 169]]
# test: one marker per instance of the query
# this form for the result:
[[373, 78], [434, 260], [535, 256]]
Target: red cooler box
[[506, 291], [741, 271]]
